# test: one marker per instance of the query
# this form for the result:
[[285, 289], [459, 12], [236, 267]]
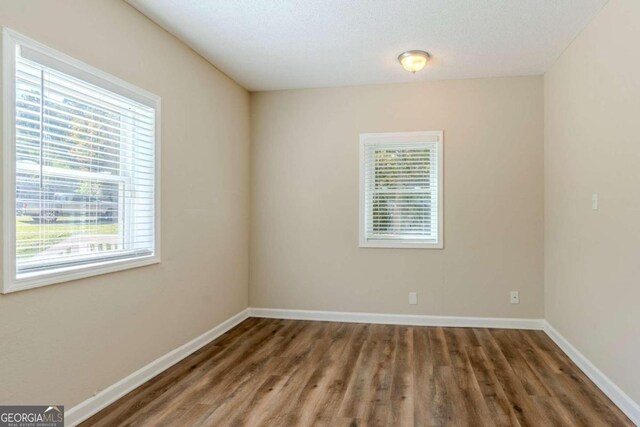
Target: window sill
[[398, 244], [62, 275]]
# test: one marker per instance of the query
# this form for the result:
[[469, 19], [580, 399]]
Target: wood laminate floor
[[267, 372]]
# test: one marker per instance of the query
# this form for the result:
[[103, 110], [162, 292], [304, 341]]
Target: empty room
[[319, 213]]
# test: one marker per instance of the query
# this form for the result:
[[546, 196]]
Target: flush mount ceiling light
[[413, 60]]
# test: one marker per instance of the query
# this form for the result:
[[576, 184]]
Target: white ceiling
[[287, 44]]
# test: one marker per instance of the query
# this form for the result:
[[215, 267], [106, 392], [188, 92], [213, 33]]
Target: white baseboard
[[604, 383], [398, 319], [91, 406], [94, 404]]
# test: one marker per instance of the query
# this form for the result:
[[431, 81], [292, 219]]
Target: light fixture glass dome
[[413, 60]]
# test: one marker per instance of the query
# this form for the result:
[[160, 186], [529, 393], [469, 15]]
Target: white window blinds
[[84, 169], [401, 189]]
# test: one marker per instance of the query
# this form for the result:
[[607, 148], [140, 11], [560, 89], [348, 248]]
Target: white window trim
[[402, 138], [10, 40]]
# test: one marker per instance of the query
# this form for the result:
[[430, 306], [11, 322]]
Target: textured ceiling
[[286, 44]]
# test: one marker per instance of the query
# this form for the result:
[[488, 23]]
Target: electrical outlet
[[515, 297], [594, 201], [413, 298]]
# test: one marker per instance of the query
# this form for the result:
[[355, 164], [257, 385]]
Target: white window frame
[[10, 41], [402, 138]]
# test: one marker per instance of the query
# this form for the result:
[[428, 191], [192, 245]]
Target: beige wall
[[61, 343], [592, 144], [304, 235]]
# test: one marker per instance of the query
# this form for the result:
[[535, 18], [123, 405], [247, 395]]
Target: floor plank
[[268, 372]]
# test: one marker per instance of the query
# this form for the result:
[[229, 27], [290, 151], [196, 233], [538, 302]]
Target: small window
[[401, 190], [80, 175]]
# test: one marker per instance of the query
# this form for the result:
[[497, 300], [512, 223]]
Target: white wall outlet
[[515, 297], [413, 298], [594, 201]]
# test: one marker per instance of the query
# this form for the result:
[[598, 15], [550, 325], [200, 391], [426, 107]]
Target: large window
[[401, 190], [80, 169]]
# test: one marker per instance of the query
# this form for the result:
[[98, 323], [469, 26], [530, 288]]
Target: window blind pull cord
[[41, 130]]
